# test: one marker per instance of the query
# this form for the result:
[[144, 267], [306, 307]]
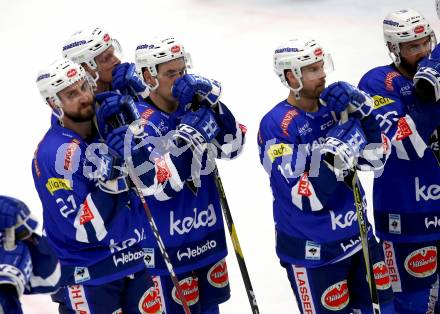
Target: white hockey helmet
[[84, 45], [295, 54], [405, 26], [159, 50], [54, 78]]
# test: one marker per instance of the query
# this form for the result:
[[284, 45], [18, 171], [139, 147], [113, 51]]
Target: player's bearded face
[[413, 52], [77, 101], [313, 80]]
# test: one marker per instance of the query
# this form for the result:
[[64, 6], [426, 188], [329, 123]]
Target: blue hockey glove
[[189, 85], [427, 80], [112, 172], [14, 213], [15, 267], [119, 108], [341, 96], [197, 128], [343, 144], [125, 79]]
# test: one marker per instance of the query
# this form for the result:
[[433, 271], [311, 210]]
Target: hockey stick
[[363, 230], [9, 243], [232, 232], [236, 243], [152, 223], [163, 251]]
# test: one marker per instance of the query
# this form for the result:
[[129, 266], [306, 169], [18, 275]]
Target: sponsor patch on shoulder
[[279, 150], [55, 184], [380, 101]]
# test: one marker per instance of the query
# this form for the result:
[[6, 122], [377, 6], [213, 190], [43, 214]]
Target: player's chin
[[320, 88], [87, 113]]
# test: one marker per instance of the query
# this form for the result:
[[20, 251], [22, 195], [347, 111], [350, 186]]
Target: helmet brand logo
[[318, 52], [106, 37], [419, 29], [175, 49], [71, 73]]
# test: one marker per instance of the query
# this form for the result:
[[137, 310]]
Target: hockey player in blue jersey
[[182, 194], [91, 217], [317, 235], [404, 199], [97, 52], [27, 265]]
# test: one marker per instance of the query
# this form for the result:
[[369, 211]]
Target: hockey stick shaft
[[236, 243], [363, 231], [163, 252], [9, 239], [155, 231]]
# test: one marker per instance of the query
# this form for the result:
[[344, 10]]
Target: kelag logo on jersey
[[342, 221], [422, 262], [426, 193], [204, 218], [336, 297]]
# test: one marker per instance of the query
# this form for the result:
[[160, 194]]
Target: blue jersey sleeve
[[397, 111], [78, 209], [295, 169], [231, 138]]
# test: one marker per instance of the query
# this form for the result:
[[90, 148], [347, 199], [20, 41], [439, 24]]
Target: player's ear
[[89, 70], [148, 78], [51, 102], [291, 79]]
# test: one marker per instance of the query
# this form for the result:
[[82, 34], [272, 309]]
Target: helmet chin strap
[[59, 113], [155, 86], [296, 90]]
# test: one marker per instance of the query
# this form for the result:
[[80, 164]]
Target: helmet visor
[[109, 57], [419, 46], [318, 69]]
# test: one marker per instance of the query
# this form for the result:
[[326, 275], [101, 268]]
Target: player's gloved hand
[[125, 79], [14, 213], [341, 96], [197, 128], [343, 144], [119, 108], [15, 267], [190, 85], [427, 80], [112, 170]]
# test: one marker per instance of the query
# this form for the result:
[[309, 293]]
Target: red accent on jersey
[[287, 120], [389, 80], [303, 187], [218, 275], [336, 297], [403, 129], [422, 262], [86, 215]]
